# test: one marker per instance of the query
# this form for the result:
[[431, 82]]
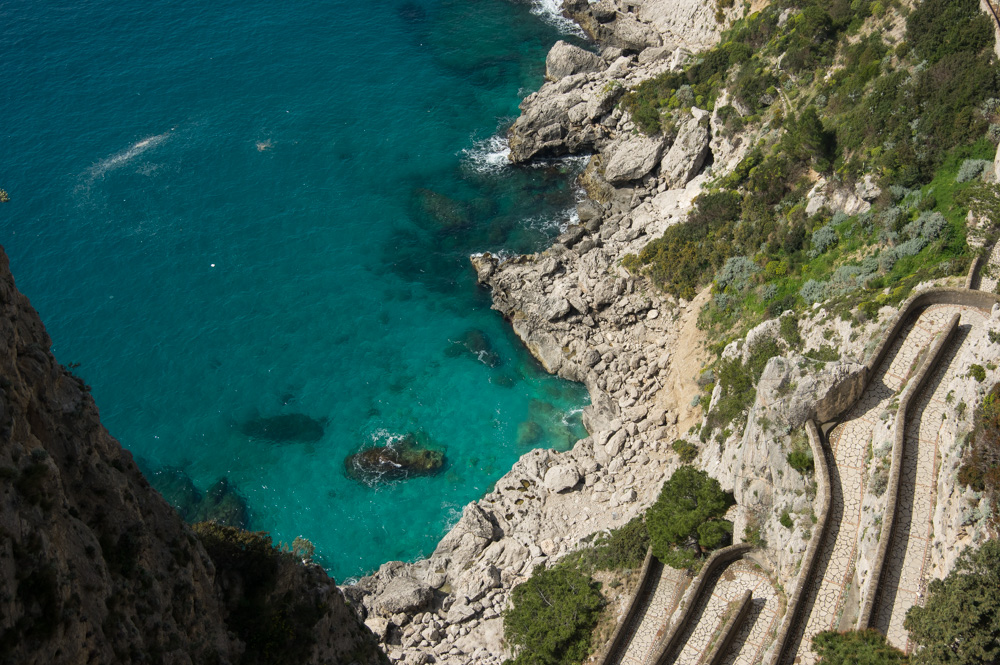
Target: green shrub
[[824, 354], [977, 372], [738, 384], [621, 549], [960, 622], [686, 521], [800, 456], [801, 460], [865, 647], [686, 450], [790, 331], [939, 28], [972, 168], [551, 616], [786, 520]]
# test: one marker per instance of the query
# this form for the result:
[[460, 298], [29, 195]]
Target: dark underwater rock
[[446, 212], [397, 460], [284, 428], [224, 505], [178, 489], [477, 343], [411, 12]]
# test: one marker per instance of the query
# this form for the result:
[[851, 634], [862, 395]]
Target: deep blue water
[[240, 209]]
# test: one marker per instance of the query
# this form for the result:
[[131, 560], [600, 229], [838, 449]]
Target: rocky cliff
[[95, 567]]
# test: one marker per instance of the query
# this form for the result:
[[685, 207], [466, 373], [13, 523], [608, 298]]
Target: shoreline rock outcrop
[[397, 460]]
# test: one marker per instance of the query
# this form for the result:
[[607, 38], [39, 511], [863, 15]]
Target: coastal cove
[[232, 214]]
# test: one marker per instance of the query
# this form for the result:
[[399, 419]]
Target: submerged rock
[[529, 433], [411, 12], [223, 504], [446, 212], [284, 428], [177, 488], [397, 460], [477, 343]]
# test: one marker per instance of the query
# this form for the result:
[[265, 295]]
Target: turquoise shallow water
[[233, 210]]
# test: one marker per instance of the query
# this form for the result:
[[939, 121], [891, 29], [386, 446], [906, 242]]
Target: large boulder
[[633, 157], [553, 121], [688, 153], [793, 392], [565, 60], [561, 477], [403, 594], [467, 539]]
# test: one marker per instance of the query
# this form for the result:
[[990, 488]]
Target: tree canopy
[[552, 616], [685, 520], [856, 647], [960, 623]]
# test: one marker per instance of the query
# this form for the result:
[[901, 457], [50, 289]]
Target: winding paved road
[[904, 580], [826, 599], [722, 593], [653, 616]]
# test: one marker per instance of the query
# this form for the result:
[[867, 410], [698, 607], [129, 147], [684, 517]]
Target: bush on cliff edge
[[686, 520], [551, 617]]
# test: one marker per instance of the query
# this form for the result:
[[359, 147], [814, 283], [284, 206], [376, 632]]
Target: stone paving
[[825, 599], [650, 622], [989, 274], [727, 587], [903, 584]]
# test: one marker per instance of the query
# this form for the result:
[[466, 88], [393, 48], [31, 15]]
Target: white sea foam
[[554, 223], [119, 159], [568, 416], [550, 11], [489, 155]]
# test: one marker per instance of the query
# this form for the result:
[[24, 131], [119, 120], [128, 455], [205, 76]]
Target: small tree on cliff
[[685, 521], [856, 647], [552, 616], [961, 621]]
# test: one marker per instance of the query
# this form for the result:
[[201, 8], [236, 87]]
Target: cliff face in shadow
[[95, 567]]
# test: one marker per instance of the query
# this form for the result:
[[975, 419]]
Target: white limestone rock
[[633, 157], [566, 60], [562, 477], [688, 153]]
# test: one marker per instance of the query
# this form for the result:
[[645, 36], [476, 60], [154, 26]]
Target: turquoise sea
[[231, 211]]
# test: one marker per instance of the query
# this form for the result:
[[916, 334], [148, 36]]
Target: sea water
[[237, 210]]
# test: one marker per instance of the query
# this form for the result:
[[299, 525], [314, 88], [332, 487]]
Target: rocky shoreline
[[637, 350], [586, 319]]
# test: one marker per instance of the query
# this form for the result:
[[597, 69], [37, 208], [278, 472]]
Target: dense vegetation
[[830, 92], [552, 616], [861, 647], [980, 468], [686, 520], [960, 622]]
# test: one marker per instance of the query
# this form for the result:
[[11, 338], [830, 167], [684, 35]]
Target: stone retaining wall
[[647, 580], [811, 556], [719, 559], [730, 630], [917, 302], [899, 441]]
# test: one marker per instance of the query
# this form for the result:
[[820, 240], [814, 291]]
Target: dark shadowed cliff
[[95, 567]]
